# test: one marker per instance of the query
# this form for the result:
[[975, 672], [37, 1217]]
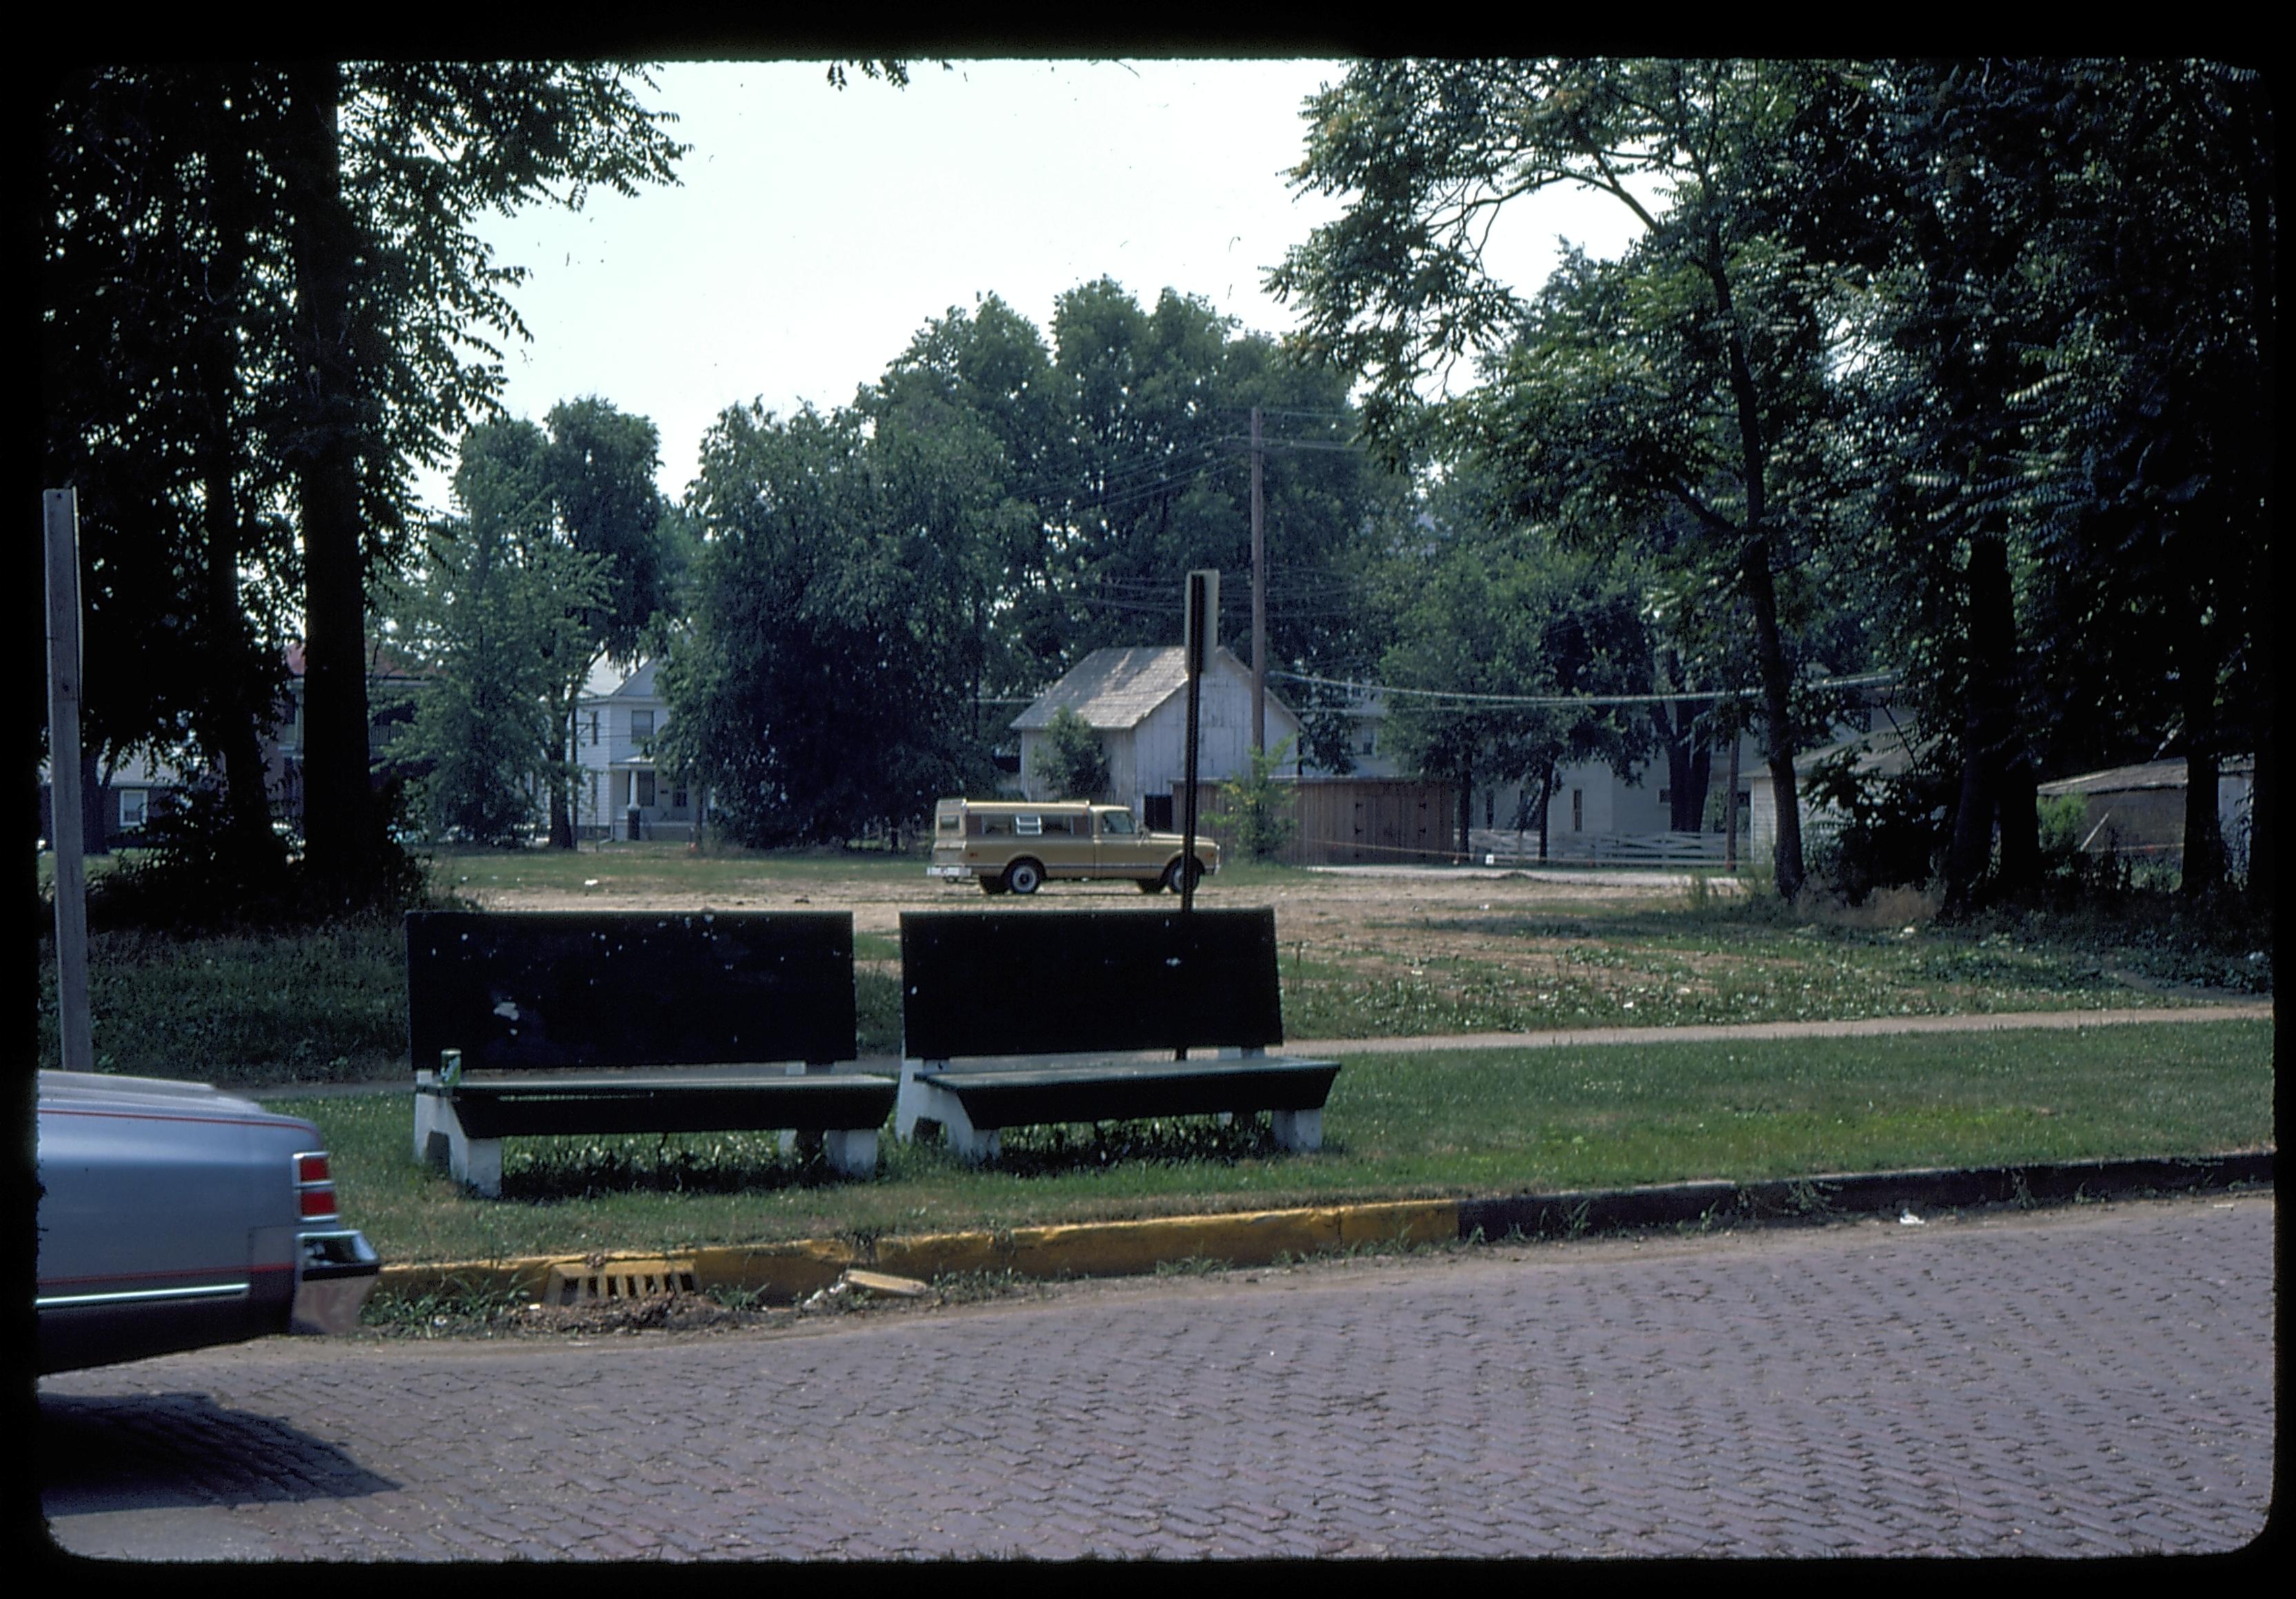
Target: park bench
[[547, 1023], [1017, 1018]]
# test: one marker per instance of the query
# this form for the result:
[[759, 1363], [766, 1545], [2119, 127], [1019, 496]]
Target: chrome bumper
[[334, 1274]]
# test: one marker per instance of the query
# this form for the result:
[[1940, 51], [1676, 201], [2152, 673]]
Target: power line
[[1535, 701]]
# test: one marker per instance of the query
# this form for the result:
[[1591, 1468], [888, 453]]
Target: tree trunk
[[229, 713], [1990, 744], [1689, 767], [564, 735], [2204, 863], [340, 834], [2020, 802], [1778, 747], [1466, 806], [96, 810], [1762, 590], [2255, 111], [1545, 796]]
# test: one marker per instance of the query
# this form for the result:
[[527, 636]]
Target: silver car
[[173, 1215]]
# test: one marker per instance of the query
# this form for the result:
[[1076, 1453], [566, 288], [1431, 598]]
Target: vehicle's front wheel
[[1022, 877], [1195, 870]]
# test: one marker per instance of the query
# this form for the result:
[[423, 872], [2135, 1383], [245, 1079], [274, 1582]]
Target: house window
[[1490, 806], [1158, 812], [594, 730], [1578, 810], [134, 807], [678, 799], [642, 729], [646, 787]]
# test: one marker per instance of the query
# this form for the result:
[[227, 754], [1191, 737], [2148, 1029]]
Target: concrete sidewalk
[[2235, 1010], [2230, 1009]]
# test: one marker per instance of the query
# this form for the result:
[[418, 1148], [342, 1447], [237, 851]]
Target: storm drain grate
[[580, 1283]]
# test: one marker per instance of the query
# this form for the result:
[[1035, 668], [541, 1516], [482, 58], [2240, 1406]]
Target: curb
[[787, 1272]]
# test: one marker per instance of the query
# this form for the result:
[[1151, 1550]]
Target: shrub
[[1071, 760], [1259, 806]]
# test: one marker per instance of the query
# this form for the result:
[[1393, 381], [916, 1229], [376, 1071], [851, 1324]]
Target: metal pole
[[1258, 599], [1201, 597], [59, 517]]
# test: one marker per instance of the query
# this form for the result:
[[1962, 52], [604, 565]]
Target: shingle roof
[[1115, 689], [2145, 774]]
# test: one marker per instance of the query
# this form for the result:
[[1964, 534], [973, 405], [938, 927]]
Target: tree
[[151, 275], [304, 235], [1502, 613], [1071, 761], [491, 611], [2155, 406], [2064, 359], [1681, 386], [822, 686], [599, 467]]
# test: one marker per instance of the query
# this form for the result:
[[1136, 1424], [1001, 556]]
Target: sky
[[816, 231]]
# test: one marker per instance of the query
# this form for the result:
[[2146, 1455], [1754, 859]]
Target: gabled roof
[[1886, 752], [2145, 774], [1116, 689], [607, 681]]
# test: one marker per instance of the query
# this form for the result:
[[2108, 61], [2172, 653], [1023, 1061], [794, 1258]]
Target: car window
[[1116, 822]]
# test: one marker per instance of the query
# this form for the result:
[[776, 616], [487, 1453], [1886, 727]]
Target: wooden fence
[[1345, 821], [1607, 848]]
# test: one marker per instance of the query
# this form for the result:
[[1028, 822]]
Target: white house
[[1591, 806], [617, 721], [1137, 701]]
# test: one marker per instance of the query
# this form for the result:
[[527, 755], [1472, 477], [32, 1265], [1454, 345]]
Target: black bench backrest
[[557, 989], [1067, 982]]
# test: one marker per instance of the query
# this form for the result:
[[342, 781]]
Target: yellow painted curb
[[791, 1271]]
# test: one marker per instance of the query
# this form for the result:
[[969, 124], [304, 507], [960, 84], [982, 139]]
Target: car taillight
[[314, 1186]]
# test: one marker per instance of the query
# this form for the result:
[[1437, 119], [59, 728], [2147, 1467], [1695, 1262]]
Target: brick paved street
[[2093, 1381]]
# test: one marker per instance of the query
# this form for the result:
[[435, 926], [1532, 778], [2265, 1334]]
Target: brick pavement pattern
[[2092, 1381]]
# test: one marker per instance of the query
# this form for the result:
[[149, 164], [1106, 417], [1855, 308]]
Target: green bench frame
[[528, 1024], [1020, 1017]]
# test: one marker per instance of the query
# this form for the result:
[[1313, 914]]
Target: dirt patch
[[1322, 915]]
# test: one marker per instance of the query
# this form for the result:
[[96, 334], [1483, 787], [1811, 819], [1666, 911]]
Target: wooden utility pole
[[1730, 811], [1259, 598], [60, 516]]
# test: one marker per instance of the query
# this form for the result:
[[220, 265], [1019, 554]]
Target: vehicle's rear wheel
[[1022, 877], [1195, 874]]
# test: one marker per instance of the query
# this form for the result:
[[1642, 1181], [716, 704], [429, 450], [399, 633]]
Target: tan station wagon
[[1015, 846]]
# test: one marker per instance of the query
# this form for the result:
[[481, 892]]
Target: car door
[[1119, 850]]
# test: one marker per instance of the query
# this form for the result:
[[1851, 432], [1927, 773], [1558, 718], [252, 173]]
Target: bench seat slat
[[994, 1100], [845, 1100]]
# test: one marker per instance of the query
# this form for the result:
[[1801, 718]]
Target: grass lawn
[[268, 1008], [1465, 1123]]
